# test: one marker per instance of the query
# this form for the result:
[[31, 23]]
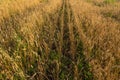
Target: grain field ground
[[59, 40]]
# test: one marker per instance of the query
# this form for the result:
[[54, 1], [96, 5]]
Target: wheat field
[[59, 40]]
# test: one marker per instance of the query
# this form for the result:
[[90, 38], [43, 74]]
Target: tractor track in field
[[70, 45], [64, 33], [65, 28]]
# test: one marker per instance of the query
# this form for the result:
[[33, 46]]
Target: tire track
[[65, 28], [63, 44], [72, 47]]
